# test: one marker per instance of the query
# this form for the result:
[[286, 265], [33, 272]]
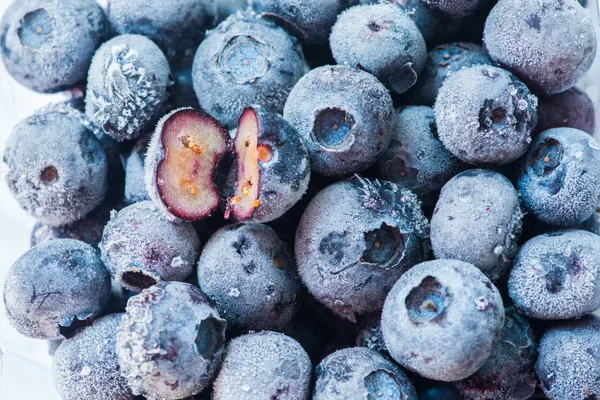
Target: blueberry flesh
[[436, 303], [127, 86], [135, 181], [559, 179], [357, 373], [263, 366], [454, 8], [86, 366], [549, 45], [571, 109], [47, 45], [556, 275], [56, 288], [435, 28], [183, 358], [345, 117], [355, 239]]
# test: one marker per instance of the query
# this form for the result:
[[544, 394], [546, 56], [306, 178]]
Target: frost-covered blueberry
[[345, 117], [250, 275], [355, 239], [135, 172], [358, 373], [170, 341], [263, 366], [441, 62], [383, 40], [548, 44], [182, 92], [57, 178], [56, 288], [86, 365], [416, 159], [508, 373], [141, 247], [485, 115], [557, 275], [571, 109], [454, 8], [435, 28], [47, 45], [127, 86], [559, 180], [252, 61], [442, 319], [478, 219]]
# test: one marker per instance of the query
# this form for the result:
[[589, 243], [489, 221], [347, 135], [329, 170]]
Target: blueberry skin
[[383, 40], [276, 64], [344, 115], [559, 179], [86, 366], [485, 115], [454, 8], [47, 45], [57, 179], [556, 275], [135, 173], [435, 28], [263, 366], [357, 373], [478, 220], [549, 45], [416, 159], [170, 342], [127, 86], [437, 303], [355, 239], [571, 109], [141, 247], [55, 288]]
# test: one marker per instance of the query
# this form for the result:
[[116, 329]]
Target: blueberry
[[170, 341], [263, 366], [135, 184], [572, 109], [56, 288], [47, 45], [58, 179], [485, 115], [252, 61], [141, 247], [454, 8], [357, 373], [559, 179], [435, 28], [548, 44], [355, 239], [442, 319], [86, 366], [345, 117], [127, 86], [478, 219], [224, 8], [383, 40]]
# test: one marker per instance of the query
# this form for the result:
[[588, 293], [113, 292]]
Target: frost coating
[[135, 181], [572, 109]]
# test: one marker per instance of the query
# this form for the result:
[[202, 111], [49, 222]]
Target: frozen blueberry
[[416, 159], [250, 275], [357, 373], [454, 8], [251, 61], [345, 117], [263, 366], [127, 86], [170, 341], [383, 40], [57, 178], [485, 115], [135, 182], [557, 275], [182, 92], [141, 247], [86, 366], [442, 319], [47, 45], [559, 180], [441, 62], [56, 288], [478, 219], [508, 373], [355, 239], [548, 44], [572, 109], [435, 28]]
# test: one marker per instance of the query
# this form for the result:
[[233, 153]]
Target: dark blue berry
[[571, 109], [435, 28]]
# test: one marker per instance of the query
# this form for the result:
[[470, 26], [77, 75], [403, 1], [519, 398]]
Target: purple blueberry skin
[[55, 288], [435, 28], [170, 341], [454, 8], [135, 173], [549, 45], [571, 109]]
